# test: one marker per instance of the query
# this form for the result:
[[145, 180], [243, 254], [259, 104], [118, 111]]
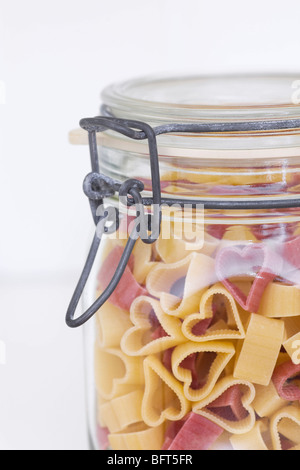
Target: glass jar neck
[[231, 165]]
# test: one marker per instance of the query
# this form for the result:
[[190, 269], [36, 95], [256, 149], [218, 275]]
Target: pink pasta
[[128, 289], [196, 433]]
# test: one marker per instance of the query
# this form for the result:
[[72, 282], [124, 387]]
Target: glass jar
[[198, 348]]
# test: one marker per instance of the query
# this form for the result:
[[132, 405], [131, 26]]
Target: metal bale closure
[[97, 186]]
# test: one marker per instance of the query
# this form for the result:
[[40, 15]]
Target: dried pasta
[[142, 252], [227, 421], [257, 354], [116, 373], [241, 262], [212, 358], [285, 423], [112, 323], [199, 347], [237, 233], [223, 176], [143, 438], [251, 440], [122, 412], [280, 300], [292, 347], [179, 286], [122, 297], [138, 340], [267, 401], [285, 380], [176, 243], [231, 328], [100, 401], [291, 327], [164, 398]]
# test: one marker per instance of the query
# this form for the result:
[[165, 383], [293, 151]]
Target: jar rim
[[200, 97]]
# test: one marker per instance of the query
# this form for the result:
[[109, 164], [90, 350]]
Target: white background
[[55, 58]]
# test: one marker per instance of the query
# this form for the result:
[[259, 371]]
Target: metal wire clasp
[[97, 186]]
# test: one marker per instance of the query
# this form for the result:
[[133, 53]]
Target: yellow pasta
[[238, 233], [122, 412], [137, 340], [267, 401], [290, 428], [212, 359], [112, 322], [235, 427], [231, 328], [295, 447], [251, 440], [138, 439], [143, 254], [222, 443], [164, 398], [280, 300], [223, 176], [230, 366], [100, 401], [189, 346], [282, 357], [286, 422], [291, 326], [258, 352], [116, 374], [179, 239], [196, 272]]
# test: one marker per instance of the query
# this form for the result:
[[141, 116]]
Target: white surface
[[42, 404], [55, 57]]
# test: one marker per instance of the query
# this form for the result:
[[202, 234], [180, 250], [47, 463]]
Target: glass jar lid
[[205, 97], [196, 99]]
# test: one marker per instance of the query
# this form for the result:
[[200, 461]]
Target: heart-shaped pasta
[[215, 301], [251, 440], [111, 324], [117, 374], [257, 261], [283, 379], [267, 401], [179, 286], [164, 398], [291, 251], [140, 340], [210, 360], [122, 412], [138, 437], [286, 423], [143, 261], [128, 288], [214, 406]]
